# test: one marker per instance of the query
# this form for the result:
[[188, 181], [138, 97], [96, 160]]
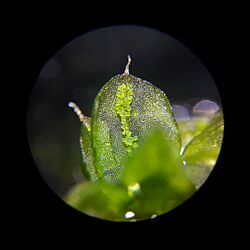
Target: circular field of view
[[125, 123]]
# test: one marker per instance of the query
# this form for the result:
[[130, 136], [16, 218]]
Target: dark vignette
[[216, 216]]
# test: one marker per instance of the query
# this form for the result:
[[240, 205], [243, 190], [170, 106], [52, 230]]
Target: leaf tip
[[126, 71], [77, 110]]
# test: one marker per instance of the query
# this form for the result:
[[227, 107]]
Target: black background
[[216, 216]]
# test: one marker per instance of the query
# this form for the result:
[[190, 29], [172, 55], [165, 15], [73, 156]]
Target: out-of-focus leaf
[[201, 153], [196, 125], [191, 128], [152, 182], [144, 107], [99, 199], [156, 177], [198, 174], [204, 149]]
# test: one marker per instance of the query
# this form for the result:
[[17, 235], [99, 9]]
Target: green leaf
[[156, 178], [125, 111], [204, 149], [87, 156], [198, 174], [152, 182], [201, 153], [191, 128], [99, 199]]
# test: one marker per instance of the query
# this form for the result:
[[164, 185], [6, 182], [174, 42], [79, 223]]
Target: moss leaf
[[204, 148], [100, 199], [87, 156], [125, 111], [156, 177]]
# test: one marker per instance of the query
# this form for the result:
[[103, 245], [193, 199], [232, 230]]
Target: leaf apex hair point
[[77, 110], [126, 71]]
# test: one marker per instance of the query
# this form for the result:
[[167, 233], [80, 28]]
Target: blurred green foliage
[[153, 182], [204, 148], [201, 153]]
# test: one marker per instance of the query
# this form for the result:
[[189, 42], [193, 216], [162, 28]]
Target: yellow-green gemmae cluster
[[124, 97]]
